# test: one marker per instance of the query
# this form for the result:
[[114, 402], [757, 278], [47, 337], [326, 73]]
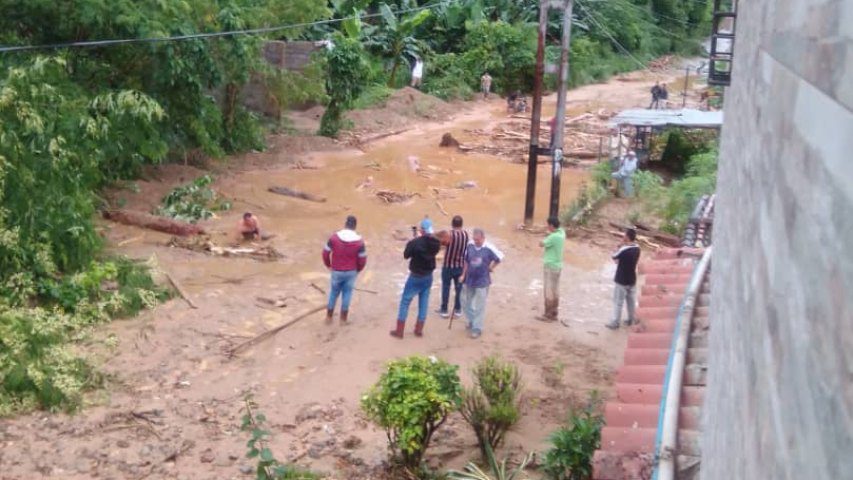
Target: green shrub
[[570, 456], [268, 467], [491, 406], [193, 201], [347, 73], [374, 95], [447, 78], [411, 400], [507, 52], [591, 194]]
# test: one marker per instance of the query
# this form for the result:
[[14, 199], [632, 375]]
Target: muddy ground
[[172, 404]]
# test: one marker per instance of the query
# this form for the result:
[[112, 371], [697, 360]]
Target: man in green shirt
[[553, 260]]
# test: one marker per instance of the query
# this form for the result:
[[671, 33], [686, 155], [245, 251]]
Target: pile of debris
[[203, 243], [697, 233]]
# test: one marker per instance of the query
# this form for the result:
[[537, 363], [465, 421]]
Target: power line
[[609, 35], [230, 33]]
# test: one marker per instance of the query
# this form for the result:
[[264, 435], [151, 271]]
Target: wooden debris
[[153, 222], [390, 196], [441, 208], [318, 288], [180, 290], [270, 333], [373, 138], [291, 192], [365, 290], [665, 238], [205, 244]]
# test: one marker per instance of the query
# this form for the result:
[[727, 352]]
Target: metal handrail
[[667, 434]]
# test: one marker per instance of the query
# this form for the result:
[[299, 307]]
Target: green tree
[[346, 76], [395, 38]]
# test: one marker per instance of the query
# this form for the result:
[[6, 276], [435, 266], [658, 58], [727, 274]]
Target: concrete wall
[[779, 403]]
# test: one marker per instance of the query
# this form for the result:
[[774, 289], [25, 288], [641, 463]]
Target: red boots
[[344, 316], [329, 313], [399, 331], [419, 329]]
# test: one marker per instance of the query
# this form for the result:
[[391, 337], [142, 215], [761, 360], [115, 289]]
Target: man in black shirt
[[626, 258], [421, 254]]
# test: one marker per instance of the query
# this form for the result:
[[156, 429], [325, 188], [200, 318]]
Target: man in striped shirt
[[454, 262]]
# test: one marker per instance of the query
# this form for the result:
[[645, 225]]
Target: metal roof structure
[[684, 118]]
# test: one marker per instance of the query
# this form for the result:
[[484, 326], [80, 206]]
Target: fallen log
[[291, 192], [270, 333], [362, 141], [153, 222], [180, 291], [666, 238]]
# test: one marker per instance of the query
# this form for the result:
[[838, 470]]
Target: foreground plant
[[193, 201], [491, 406], [499, 471], [268, 467], [411, 400], [570, 457]]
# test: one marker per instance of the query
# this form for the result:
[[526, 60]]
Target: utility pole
[[535, 115], [686, 83], [557, 136]]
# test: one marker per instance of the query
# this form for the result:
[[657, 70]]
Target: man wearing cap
[[624, 175], [420, 252], [345, 255]]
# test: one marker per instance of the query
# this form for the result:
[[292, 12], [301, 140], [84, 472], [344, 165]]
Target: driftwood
[[373, 138], [270, 333], [441, 207], [153, 222], [180, 291], [665, 238], [291, 192], [203, 243], [390, 196]]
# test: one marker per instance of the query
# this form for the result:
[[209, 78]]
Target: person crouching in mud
[[249, 227]]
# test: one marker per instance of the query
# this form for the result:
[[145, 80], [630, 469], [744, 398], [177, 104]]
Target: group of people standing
[[660, 95], [469, 262]]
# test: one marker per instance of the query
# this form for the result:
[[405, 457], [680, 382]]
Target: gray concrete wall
[[779, 403]]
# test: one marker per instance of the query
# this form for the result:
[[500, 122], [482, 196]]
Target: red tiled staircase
[[631, 417]]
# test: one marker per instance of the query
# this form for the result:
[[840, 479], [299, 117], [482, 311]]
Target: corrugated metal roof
[[686, 118]]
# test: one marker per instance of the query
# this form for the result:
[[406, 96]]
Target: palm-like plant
[[395, 38], [499, 471]]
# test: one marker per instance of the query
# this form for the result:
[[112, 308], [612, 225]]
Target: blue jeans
[[449, 275], [342, 284], [415, 285], [627, 183], [475, 307]]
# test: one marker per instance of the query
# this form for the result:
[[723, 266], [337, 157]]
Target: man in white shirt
[[417, 73], [624, 175]]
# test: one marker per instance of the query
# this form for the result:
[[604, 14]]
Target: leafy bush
[[374, 95], [589, 197], [193, 201], [268, 467], [507, 52], [499, 471], [37, 367], [411, 401], [570, 457], [491, 406]]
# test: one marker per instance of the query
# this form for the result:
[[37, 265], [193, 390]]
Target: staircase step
[[683, 252], [641, 374], [619, 439], [645, 265], [697, 355], [695, 375], [657, 313], [649, 340], [668, 279], [661, 300], [658, 326], [658, 289], [689, 418], [692, 396], [666, 267], [638, 393], [631, 415], [646, 356], [689, 442]]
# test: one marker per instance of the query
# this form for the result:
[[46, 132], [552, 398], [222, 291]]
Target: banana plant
[[395, 38], [499, 471]]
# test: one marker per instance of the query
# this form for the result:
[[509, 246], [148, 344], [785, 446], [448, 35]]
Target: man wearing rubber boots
[[420, 252]]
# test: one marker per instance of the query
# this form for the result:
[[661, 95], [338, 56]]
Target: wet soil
[[172, 404]]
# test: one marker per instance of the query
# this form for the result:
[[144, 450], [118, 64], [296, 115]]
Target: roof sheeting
[[685, 118]]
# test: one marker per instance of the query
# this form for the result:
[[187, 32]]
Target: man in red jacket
[[345, 255]]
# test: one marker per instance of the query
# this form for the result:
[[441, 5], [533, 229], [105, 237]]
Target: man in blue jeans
[[480, 262], [345, 255], [454, 262], [421, 253]]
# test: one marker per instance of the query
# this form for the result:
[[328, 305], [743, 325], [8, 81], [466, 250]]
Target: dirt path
[[172, 405]]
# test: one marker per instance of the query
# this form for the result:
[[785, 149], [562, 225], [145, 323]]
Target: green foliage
[[38, 369], [570, 456], [675, 202], [499, 471], [346, 77], [447, 78], [193, 201], [374, 95], [589, 197], [268, 467], [395, 38], [507, 52], [411, 401], [491, 406]]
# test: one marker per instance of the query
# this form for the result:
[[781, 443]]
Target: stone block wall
[[779, 403]]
